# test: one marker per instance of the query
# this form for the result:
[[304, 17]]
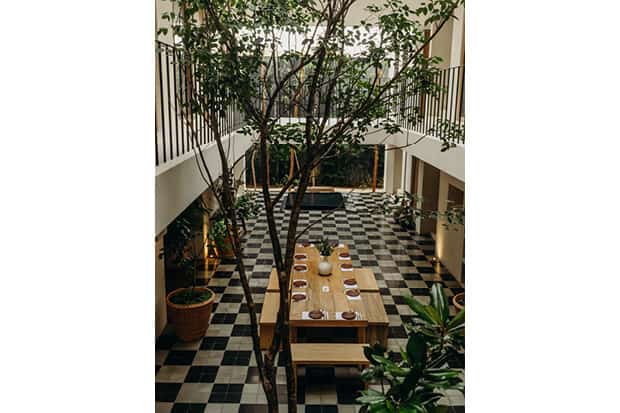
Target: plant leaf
[[440, 302], [420, 309], [458, 320]]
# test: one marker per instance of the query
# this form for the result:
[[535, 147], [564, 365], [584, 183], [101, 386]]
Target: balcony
[[173, 134], [436, 116]]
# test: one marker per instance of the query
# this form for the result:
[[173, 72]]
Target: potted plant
[[325, 249], [246, 207], [218, 236], [459, 301], [418, 382], [415, 384], [401, 207], [189, 307]]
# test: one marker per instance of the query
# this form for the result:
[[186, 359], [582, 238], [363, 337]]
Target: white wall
[[178, 183], [428, 149], [450, 240]]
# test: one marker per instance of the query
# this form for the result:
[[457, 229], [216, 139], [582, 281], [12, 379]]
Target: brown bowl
[[344, 255], [353, 292], [299, 283], [348, 315], [305, 244], [300, 267], [346, 265], [298, 297], [350, 281], [315, 314]]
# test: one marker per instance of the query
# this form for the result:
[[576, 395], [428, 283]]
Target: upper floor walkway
[[177, 138]]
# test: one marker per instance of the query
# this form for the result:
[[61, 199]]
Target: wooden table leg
[[361, 335]]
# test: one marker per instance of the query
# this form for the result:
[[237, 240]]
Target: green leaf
[[371, 396], [416, 350], [457, 321], [440, 302], [391, 367], [420, 309]]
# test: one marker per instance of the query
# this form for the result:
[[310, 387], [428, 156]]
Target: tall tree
[[341, 82]]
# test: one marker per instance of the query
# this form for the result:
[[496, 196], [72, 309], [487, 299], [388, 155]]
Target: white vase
[[325, 267]]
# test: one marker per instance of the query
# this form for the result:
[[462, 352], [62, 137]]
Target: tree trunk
[[291, 163], [267, 376]]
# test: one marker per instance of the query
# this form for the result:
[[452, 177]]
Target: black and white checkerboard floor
[[218, 373]]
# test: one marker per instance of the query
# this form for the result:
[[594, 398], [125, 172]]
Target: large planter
[[190, 321], [457, 300]]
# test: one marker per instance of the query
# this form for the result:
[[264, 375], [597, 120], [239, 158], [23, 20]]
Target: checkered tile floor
[[218, 373]]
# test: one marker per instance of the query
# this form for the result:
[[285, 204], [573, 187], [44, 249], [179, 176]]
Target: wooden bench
[[378, 321], [268, 317], [327, 354], [274, 284]]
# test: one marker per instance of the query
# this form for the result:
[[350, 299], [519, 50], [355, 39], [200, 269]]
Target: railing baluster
[[169, 105], [452, 101], [436, 114], [443, 101], [161, 103], [446, 106], [174, 97], [462, 89]]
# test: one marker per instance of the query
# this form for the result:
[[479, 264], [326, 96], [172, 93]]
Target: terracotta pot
[[190, 321], [456, 299]]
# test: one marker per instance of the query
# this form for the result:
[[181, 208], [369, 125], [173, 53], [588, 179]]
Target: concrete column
[[407, 164], [161, 315], [457, 51], [429, 190], [392, 170], [398, 164], [389, 175], [441, 45], [450, 240]]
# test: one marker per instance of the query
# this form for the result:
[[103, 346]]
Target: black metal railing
[[439, 114], [176, 132], [434, 114]]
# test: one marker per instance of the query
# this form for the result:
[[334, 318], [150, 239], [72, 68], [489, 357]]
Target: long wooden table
[[327, 293], [366, 281]]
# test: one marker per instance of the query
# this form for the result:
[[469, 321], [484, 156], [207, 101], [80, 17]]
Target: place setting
[[349, 283]]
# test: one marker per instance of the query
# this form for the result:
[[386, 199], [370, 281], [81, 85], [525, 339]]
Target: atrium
[[349, 297]]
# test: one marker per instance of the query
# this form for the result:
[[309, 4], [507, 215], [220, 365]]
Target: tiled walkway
[[218, 373]]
